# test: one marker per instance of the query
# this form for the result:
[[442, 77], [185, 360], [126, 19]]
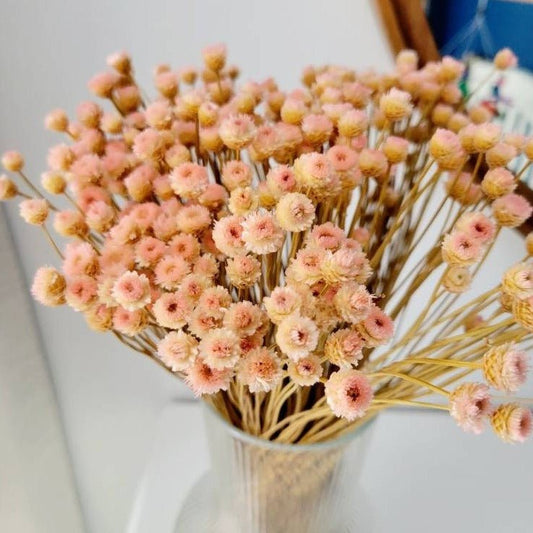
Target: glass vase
[[257, 486]]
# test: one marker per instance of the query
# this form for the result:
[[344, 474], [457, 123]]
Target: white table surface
[[422, 474]]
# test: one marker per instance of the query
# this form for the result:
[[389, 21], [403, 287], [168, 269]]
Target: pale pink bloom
[[462, 188], [203, 379], [89, 113], [353, 302], [293, 110], [260, 369], [129, 322], [126, 231], [202, 320], [470, 406], [206, 266], [457, 279], [139, 183], [505, 59], [345, 264], [136, 121], [307, 266], [265, 143], [313, 171], [158, 115], [193, 218], [297, 336], [148, 251], [103, 83], [166, 83], [498, 182], [144, 214], [344, 348], [237, 131], [189, 180], [215, 299], [120, 61], [116, 259], [170, 271], [48, 286], [220, 349], [243, 270], [373, 164], [162, 188], [178, 350], [505, 367], [165, 226], [512, 422], [295, 212], [396, 149], [353, 123], [214, 56], [81, 292], [326, 236], [511, 210], [184, 245], [361, 235], [478, 226], [243, 200], [348, 393], [444, 143], [172, 309], [518, 281], [92, 194], [377, 328], [243, 318], [56, 120], [176, 155], [214, 197], [34, 211], [80, 258], [193, 286], [115, 163], [486, 136], [60, 157], [461, 248], [132, 290], [406, 61], [317, 128], [335, 111], [12, 161], [149, 145], [342, 158], [87, 169], [70, 223], [227, 234], [261, 233], [236, 174], [127, 98], [282, 302], [395, 104], [8, 188], [450, 69], [306, 371]]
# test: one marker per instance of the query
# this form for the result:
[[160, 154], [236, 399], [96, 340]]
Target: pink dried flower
[[396, 149], [377, 328], [260, 369], [500, 154], [295, 212], [102, 84], [81, 292], [34, 211], [512, 422], [243, 200], [282, 302], [139, 182], [317, 128], [129, 322], [89, 113], [132, 290], [457, 279], [353, 302], [158, 115], [261, 233], [243, 318], [395, 104], [215, 56], [203, 379], [326, 236], [344, 265], [149, 145], [470, 406], [193, 218], [189, 180], [116, 259], [178, 350], [518, 281], [297, 336], [184, 245], [478, 226], [227, 234], [236, 174], [505, 59], [344, 348], [348, 393], [216, 299], [148, 251], [353, 123], [307, 266], [505, 367], [373, 164], [12, 161], [56, 120], [8, 188], [306, 371], [281, 180], [220, 349], [461, 248], [48, 287], [243, 271], [170, 271], [486, 136], [498, 182], [80, 258], [314, 171], [444, 143], [60, 157], [87, 169], [511, 210], [172, 309], [237, 131]]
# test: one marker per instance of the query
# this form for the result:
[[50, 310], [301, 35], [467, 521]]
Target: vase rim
[[293, 448]]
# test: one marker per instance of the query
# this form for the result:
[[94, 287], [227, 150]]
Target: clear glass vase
[[256, 486]]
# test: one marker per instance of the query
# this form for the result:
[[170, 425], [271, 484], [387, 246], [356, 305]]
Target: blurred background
[[78, 412]]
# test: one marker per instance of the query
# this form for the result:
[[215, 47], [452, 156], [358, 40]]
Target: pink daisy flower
[[172, 309], [297, 336], [260, 370], [170, 271], [219, 348], [132, 290], [470, 406], [261, 233], [178, 350], [348, 393], [203, 379]]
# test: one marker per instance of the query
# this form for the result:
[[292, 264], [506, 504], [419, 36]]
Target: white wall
[[110, 398]]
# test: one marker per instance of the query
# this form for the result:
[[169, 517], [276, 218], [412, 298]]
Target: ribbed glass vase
[[256, 486]]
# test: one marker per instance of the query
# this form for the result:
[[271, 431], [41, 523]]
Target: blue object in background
[[501, 23]]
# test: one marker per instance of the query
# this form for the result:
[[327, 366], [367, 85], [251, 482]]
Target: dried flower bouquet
[[259, 244]]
